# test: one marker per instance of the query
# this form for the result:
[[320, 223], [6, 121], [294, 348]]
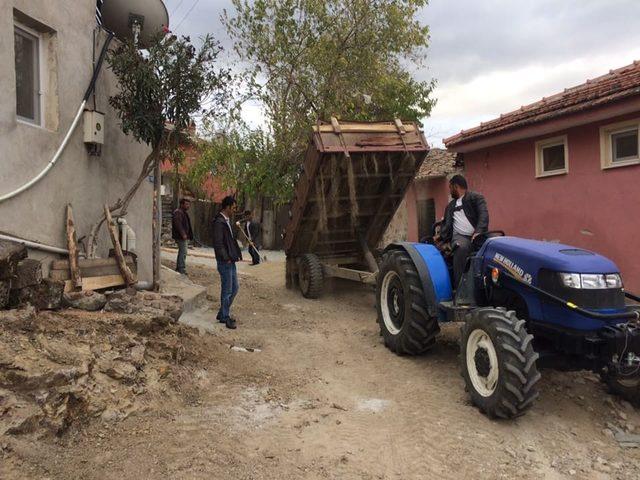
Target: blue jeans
[[181, 261], [228, 288]]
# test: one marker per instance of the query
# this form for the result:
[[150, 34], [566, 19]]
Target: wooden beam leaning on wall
[[122, 265], [72, 246]]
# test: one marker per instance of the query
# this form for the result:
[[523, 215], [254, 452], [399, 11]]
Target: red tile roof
[[615, 85], [439, 163]]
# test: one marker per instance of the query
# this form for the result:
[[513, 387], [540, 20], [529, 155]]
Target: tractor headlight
[[591, 281]]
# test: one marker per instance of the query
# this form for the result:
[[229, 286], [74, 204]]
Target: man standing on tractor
[[465, 218], [227, 253]]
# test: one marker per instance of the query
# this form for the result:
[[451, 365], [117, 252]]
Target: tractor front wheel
[[498, 363], [403, 310]]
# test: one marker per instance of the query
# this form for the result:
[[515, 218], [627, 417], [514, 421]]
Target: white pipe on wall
[[35, 245], [52, 162]]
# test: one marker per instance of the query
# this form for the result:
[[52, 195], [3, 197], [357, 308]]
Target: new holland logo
[[512, 267]]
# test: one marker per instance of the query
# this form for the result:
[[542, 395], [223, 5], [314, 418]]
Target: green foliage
[[246, 161], [313, 59], [166, 85]]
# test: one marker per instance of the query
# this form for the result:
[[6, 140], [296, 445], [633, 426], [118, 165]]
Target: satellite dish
[[131, 18]]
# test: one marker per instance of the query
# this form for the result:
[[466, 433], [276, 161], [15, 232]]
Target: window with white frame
[[620, 144], [552, 156], [27, 64]]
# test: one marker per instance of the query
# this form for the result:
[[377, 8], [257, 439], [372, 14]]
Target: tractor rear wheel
[[310, 276], [498, 362], [624, 383], [405, 324]]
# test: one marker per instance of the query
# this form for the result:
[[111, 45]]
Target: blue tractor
[[524, 304]]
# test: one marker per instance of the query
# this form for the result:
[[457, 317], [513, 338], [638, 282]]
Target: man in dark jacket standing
[[181, 232], [465, 218], [227, 254]]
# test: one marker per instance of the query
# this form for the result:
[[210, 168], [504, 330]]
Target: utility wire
[[187, 14], [177, 7]]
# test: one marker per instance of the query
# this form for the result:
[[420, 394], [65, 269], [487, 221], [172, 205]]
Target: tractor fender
[[432, 269]]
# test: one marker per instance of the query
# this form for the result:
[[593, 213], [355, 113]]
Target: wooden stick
[[72, 245], [122, 265]]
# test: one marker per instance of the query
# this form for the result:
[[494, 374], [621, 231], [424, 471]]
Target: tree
[[161, 90], [309, 60]]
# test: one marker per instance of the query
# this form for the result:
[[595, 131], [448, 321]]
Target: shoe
[[220, 319], [231, 323]]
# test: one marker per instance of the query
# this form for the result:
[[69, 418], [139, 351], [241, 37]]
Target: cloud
[[489, 56]]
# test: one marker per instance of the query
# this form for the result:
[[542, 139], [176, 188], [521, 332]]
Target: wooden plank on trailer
[[349, 274], [363, 128]]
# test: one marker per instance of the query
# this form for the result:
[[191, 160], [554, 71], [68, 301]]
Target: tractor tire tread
[[515, 392], [419, 329]]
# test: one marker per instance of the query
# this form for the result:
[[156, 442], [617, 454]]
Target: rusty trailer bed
[[354, 179]]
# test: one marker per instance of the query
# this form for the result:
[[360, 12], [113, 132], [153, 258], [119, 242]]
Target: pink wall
[[588, 207], [436, 188]]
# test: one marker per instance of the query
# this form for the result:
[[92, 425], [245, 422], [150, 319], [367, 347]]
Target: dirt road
[[324, 399]]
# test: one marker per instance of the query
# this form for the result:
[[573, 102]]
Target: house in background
[[566, 168], [426, 198], [47, 57]]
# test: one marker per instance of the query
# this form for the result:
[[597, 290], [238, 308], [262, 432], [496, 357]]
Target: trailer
[[354, 178]]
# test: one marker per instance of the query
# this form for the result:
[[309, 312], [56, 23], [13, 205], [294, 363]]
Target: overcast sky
[[490, 56]]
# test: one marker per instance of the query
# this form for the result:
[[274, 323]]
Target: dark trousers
[[181, 261], [460, 255], [255, 255], [228, 288]]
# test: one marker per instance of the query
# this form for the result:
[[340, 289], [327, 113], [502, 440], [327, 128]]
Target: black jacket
[[224, 243], [475, 208], [181, 225]]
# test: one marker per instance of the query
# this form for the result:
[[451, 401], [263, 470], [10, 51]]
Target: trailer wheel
[[310, 276], [624, 383], [405, 324], [498, 362]]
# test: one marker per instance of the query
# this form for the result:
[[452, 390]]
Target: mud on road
[[324, 399]]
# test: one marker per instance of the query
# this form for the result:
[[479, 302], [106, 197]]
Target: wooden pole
[[72, 245], [157, 224], [129, 279]]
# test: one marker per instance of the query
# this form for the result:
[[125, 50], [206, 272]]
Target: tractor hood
[[525, 258]]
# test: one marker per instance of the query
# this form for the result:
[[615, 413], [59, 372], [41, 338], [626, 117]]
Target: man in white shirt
[[465, 218]]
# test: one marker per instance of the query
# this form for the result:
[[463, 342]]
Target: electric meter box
[[93, 127]]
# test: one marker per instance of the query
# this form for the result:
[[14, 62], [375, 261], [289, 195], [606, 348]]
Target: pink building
[[566, 168]]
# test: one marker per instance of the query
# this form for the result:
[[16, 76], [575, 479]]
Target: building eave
[[546, 126]]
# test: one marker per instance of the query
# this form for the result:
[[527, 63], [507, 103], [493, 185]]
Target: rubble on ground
[[60, 369], [149, 303]]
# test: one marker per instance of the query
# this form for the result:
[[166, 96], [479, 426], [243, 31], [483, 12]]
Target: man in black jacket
[[227, 253], [181, 232], [465, 218]]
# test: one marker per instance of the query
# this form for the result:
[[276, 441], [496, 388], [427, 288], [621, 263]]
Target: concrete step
[[173, 283]]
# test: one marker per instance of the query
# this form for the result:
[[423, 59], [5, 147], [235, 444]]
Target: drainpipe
[[35, 245]]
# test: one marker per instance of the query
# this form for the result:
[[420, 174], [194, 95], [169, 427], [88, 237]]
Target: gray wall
[[84, 181]]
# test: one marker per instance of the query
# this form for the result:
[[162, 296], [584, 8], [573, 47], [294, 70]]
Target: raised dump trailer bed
[[355, 177]]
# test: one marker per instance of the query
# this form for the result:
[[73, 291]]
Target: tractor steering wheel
[[479, 240]]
